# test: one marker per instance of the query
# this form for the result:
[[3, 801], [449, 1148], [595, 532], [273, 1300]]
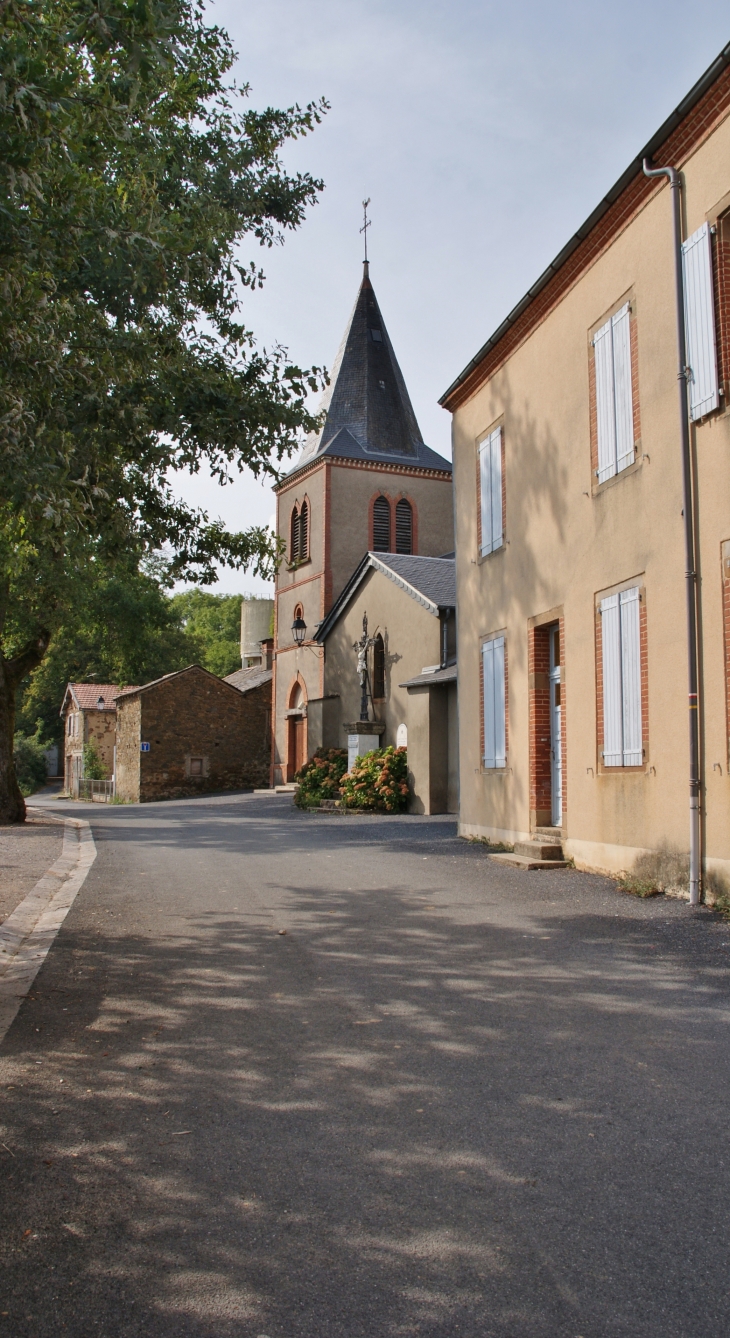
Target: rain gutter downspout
[[675, 183]]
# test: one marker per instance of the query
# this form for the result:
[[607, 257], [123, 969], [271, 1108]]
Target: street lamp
[[299, 629]]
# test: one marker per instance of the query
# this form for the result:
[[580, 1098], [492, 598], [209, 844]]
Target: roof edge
[[705, 82]]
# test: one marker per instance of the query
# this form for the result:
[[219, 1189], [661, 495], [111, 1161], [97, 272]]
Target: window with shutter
[[304, 533], [378, 667], [621, 651], [403, 527], [495, 731], [699, 315], [294, 536], [490, 489], [381, 525], [614, 394]]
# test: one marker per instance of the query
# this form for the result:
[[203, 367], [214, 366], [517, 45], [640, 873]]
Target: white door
[[556, 751]]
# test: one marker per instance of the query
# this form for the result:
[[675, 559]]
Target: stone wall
[[203, 734]]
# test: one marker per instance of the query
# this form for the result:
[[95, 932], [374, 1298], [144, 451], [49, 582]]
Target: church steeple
[[368, 409]]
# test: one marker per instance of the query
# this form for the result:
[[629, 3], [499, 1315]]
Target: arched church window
[[294, 536], [304, 532], [381, 525], [403, 526], [378, 667]]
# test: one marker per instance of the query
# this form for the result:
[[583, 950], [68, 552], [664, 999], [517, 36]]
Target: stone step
[[290, 788], [525, 862], [550, 834], [539, 849]]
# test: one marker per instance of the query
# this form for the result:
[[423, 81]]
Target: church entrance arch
[[296, 728]]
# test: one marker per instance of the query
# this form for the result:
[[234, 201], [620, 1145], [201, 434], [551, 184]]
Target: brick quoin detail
[[721, 249], [675, 150], [725, 557], [644, 666], [538, 669]]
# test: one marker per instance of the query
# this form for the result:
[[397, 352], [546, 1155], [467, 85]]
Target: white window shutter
[[623, 399], [699, 311], [496, 468], [631, 678], [606, 422], [485, 500], [495, 752], [490, 749], [612, 712], [500, 732]]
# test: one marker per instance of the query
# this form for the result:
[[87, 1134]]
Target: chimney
[[267, 652]]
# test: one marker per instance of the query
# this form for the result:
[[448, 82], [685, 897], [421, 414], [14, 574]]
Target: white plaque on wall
[[353, 748], [401, 738]]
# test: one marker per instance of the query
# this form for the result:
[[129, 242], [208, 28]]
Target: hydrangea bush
[[320, 777], [378, 781]]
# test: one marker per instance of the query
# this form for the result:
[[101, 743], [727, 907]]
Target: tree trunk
[[12, 803]]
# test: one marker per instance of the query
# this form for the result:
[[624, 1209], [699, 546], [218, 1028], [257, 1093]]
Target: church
[[365, 483]]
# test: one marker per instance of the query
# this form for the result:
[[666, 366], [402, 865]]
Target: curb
[[28, 932]]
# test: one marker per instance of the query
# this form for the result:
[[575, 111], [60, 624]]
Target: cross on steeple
[[366, 225]]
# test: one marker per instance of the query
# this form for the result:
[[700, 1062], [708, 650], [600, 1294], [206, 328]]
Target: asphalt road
[[451, 1099]]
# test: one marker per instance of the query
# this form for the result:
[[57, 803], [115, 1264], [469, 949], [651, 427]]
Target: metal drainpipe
[[675, 183]]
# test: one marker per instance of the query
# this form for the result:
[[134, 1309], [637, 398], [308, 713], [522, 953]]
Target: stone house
[[571, 457], [409, 605], [365, 482], [191, 732], [89, 714]]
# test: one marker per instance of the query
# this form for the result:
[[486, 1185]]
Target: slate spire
[[369, 412]]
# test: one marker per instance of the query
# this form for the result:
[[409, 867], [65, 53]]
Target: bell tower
[[365, 481]]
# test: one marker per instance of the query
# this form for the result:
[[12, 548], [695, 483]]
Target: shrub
[[30, 763], [378, 782], [320, 777], [94, 768]]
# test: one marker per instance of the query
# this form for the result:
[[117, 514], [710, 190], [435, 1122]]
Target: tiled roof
[[369, 415], [430, 581], [86, 695], [247, 679], [436, 677]]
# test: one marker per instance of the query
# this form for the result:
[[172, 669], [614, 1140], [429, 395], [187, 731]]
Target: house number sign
[[144, 747]]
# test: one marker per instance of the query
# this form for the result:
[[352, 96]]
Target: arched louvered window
[[381, 525], [294, 536], [304, 532], [403, 527], [378, 667]]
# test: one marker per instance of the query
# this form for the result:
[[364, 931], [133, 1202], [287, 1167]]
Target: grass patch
[[494, 847]]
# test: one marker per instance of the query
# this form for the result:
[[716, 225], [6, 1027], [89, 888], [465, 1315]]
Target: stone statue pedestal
[[362, 737]]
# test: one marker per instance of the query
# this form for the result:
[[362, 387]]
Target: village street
[[309, 1076]]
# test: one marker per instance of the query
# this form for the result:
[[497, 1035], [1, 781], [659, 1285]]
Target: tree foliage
[[213, 623], [130, 171]]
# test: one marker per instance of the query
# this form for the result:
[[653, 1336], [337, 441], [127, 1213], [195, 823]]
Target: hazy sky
[[484, 135]]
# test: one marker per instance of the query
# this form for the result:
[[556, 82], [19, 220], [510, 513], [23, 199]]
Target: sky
[[483, 133]]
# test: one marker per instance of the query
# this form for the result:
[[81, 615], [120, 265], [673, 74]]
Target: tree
[[214, 624], [122, 628], [129, 175]]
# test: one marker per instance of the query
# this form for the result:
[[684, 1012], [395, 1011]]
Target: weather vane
[[366, 225]]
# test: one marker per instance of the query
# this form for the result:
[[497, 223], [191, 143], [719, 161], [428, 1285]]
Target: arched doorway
[[296, 731]]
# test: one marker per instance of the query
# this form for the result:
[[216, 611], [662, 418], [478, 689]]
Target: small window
[[378, 668], [381, 525], [403, 527], [377, 336], [304, 533], [621, 651], [294, 536], [614, 395], [490, 492], [196, 766], [493, 686]]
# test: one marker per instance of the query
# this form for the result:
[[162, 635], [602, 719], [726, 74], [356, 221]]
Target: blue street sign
[[144, 747]]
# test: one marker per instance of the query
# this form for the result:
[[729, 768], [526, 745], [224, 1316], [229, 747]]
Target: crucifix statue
[[366, 225], [362, 647]]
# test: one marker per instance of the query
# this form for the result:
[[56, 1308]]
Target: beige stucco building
[[405, 606], [364, 482], [568, 477]]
